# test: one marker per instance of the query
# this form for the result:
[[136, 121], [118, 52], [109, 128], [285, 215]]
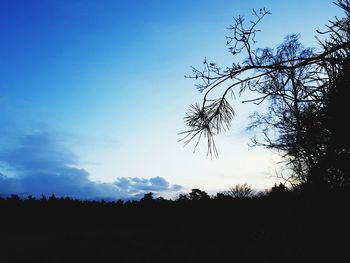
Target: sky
[[93, 94]]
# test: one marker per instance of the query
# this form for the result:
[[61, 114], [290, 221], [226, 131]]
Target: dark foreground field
[[284, 227]]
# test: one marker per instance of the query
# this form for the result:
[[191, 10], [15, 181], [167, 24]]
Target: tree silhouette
[[303, 89], [197, 195], [278, 190], [240, 191], [147, 198]]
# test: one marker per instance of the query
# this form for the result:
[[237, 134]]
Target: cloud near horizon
[[43, 166]]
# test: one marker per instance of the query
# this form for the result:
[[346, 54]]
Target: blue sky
[[93, 94]]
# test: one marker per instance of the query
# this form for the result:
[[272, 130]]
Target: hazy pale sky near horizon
[[94, 91]]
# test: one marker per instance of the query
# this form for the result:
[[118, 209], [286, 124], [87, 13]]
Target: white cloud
[[44, 166]]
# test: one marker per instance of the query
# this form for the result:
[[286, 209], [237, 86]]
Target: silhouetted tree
[[183, 199], [240, 191], [147, 198], [278, 190], [305, 91], [197, 194], [14, 198], [52, 198], [223, 196]]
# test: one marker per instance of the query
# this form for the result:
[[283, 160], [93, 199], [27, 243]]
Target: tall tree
[[305, 91]]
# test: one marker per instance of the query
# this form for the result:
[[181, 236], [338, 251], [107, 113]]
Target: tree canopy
[[306, 90]]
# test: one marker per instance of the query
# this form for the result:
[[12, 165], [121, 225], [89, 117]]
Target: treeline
[[280, 225], [238, 205]]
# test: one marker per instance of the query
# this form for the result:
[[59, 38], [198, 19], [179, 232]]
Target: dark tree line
[[280, 225], [306, 91]]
